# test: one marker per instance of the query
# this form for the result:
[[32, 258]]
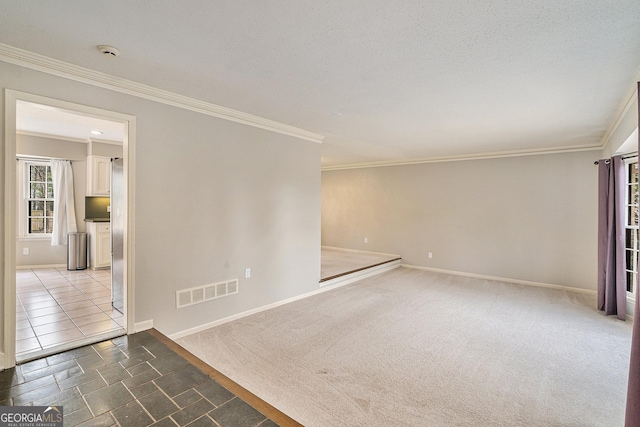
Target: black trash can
[[76, 251]]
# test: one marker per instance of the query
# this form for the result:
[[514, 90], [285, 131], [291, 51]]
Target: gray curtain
[[633, 391], [612, 285]]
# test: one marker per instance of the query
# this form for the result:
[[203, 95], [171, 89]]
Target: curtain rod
[[627, 156], [39, 159]]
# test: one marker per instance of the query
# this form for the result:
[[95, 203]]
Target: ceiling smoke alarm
[[109, 50]]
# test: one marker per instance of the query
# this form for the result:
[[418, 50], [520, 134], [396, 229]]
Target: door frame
[[8, 359]]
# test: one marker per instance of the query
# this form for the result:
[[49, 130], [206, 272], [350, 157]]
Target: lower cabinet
[[99, 234]]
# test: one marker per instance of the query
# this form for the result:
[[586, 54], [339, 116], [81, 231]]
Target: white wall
[[105, 149], [529, 218], [212, 198]]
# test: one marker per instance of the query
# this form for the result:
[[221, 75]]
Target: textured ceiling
[[382, 80]]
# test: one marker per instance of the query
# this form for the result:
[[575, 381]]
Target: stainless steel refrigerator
[[117, 234]]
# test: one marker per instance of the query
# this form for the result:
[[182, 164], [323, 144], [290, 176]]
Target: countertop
[[97, 220]]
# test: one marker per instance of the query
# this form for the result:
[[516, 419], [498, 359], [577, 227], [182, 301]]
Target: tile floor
[[136, 380], [55, 307]]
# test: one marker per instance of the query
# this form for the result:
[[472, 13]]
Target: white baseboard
[[29, 267], [502, 279], [326, 286], [143, 326]]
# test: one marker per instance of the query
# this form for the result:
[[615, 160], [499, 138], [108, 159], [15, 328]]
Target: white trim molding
[[623, 108], [143, 326], [465, 157], [10, 222], [34, 61], [503, 279], [631, 307], [10, 234]]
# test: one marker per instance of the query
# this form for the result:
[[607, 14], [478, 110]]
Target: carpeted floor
[[417, 348], [335, 262]]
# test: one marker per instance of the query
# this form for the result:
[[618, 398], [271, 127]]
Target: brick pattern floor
[[134, 380]]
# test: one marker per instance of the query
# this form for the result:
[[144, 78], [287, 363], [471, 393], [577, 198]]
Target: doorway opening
[[53, 303]]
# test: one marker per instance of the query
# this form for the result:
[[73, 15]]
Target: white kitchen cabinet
[[99, 234], [98, 176]]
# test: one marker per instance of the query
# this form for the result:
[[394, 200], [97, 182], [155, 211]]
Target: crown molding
[[623, 108], [34, 61], [465, 157]]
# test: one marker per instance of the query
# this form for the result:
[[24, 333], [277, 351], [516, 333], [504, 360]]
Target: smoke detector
[[109, 50]]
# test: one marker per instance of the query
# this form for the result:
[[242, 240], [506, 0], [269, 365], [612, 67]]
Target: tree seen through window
[[40, 199]]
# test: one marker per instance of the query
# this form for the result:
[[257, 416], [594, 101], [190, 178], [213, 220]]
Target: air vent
[[191, 296], [210, 292], [197, 295], [221, 289], [232, 287], [184, 298]]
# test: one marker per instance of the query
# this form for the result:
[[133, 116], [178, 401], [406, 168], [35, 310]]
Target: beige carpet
[[339, 261], [414, 348]]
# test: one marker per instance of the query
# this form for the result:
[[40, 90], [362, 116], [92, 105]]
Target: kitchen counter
[[97, 220]]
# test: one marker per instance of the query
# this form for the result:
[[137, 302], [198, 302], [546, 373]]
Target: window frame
[[631, 296], [24, 199]]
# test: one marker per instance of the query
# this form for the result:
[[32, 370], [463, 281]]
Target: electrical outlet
[[25, 251], [109, 208], [366, 240], [430, 255], [247, 273]]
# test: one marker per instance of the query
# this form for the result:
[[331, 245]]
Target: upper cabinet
[[98, 176]]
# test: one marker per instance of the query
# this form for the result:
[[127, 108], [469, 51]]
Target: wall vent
[[232, 287], [183, 298], [198, 294], [221, 289]]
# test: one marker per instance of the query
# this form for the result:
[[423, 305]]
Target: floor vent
[[191, 296]]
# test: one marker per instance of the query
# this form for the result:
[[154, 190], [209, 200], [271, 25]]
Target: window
[[38, 199], [631, 232]]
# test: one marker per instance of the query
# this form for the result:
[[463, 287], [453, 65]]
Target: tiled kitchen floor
[[136, 380], [55, 307]]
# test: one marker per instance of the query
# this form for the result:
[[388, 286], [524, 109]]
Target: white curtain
[[64, 209]]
